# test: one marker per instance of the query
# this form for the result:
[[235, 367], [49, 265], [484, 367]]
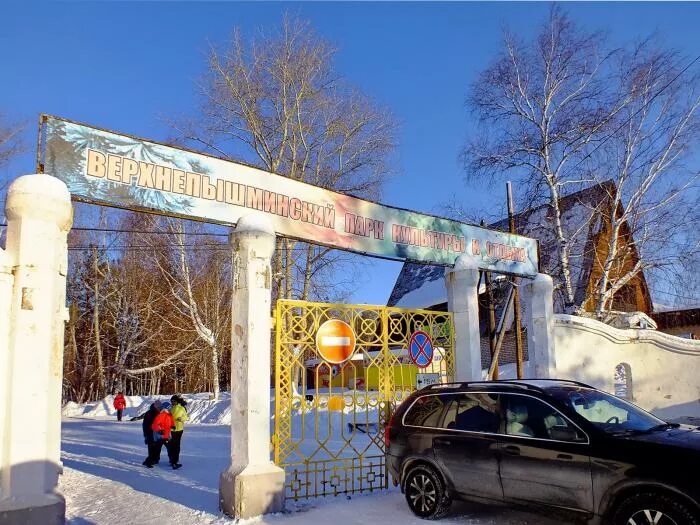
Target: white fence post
[[6, 282], [462, 283], [539, 320], [252, 485], [39, 215]]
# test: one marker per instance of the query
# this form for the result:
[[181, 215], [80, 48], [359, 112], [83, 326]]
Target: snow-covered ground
[[105, 484], [200, 408]]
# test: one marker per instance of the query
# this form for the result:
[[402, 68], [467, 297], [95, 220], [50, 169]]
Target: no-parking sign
[[420, 349]]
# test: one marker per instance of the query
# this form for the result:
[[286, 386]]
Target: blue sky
[[124, 65]]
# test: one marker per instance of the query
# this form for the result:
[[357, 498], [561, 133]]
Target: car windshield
[[607, 412]]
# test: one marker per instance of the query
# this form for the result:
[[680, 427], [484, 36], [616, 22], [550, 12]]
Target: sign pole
[[516, 293], [488, 284]]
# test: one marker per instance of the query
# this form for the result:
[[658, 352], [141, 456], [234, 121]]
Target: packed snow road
[[105, 484]]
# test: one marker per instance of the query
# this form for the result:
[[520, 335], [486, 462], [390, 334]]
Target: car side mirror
[[562, 433]]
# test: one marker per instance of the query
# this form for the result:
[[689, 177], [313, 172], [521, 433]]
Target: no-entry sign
[[420, 348], [335, 341]]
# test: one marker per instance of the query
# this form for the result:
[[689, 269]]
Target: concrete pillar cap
[[254, 223], [40, 197], [254, 232], [463, 262], [543, 281]]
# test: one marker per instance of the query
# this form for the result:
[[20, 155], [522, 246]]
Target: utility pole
[[516, 292], [491, 317]]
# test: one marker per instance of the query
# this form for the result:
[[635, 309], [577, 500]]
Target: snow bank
[[203, 410], [200, 407]]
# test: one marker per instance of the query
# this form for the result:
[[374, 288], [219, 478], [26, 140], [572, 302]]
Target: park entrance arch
[[85, 163]]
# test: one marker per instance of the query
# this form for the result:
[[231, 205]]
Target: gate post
[[39, 215], [539, 320], [462, 283], [253, 484]]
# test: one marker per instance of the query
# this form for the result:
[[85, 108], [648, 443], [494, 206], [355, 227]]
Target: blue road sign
[[420, 349]]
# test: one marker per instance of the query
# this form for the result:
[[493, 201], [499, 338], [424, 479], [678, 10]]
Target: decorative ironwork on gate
[[330, 418]]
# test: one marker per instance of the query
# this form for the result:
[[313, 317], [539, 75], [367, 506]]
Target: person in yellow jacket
[[179, 413]]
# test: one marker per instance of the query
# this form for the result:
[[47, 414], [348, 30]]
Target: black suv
[[551, 444]]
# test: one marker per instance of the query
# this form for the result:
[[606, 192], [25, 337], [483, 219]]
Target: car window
[[472, 412], [425, 412], [608, 413], [526, 416]]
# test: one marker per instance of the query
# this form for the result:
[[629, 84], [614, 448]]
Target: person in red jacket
[[119, 405], [163, 424]]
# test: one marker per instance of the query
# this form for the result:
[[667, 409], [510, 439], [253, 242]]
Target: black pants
[[154, 448], [119, 414], [173, 446]]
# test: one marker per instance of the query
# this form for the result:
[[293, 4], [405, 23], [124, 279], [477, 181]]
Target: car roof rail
[[520, 383], [488, 384], [553, 380]]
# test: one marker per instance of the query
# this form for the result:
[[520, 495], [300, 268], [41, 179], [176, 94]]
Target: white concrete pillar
[[6, 282], [39, 215], [539, 320], [462, 283], [252, 485]]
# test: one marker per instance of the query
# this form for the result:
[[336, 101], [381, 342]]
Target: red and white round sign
[[335, 341]]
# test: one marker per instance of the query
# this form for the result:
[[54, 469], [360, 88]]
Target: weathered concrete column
[[252, 485], [39, 215], [539, 320], [462, 283], [6, 281]]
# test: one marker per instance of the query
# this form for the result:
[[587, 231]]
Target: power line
[[146, 247], [156, 232]]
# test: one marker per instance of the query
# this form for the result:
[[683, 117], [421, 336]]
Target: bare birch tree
[[649, 158], [540, 104], [277, 102], [134, 317], [199, 290], [10, 140], [563, 110]]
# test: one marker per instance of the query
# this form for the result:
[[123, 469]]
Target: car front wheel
[[650, 508], [426, 494]]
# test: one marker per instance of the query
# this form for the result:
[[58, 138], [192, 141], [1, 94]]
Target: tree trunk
[[289, 262], [307, 273], [102, 385], [602, 288], [562, 241], [214, 355]]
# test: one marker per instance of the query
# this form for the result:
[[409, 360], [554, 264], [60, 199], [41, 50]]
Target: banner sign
[[103, 167]]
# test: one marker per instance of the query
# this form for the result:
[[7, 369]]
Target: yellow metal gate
[[330, 418]]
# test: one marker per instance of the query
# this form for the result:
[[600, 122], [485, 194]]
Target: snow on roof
[[677, 317], [430, 293], [422, 286], [662, 308], [414, 276]]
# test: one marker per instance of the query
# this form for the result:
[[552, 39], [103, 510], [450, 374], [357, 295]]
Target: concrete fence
[[657, 371]]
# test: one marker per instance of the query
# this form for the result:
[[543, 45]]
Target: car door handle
[[442, 441], [567, 457], [511, 450]]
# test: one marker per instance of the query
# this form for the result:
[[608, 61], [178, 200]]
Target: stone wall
[[664, 369]]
